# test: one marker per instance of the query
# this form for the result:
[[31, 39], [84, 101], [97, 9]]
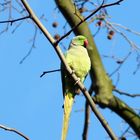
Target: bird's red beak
[[85, 43]]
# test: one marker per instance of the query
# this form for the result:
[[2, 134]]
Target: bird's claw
[[72, 72], [78, 79]]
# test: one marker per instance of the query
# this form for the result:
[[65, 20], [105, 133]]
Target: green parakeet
[[78, 59]]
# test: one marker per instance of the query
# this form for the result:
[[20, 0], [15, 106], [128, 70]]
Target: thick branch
[[127, 113], [61, 56], [85, 19], [101, 82]]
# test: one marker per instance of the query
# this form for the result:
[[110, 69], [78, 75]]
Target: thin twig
[[10, 10], [132, 44], [15, 131], [120, 64], [79, 24], [64, 27], [45, 72], [19, 4], [126, 94], [33, 40], [5, 3], [138, 63], [5, 29], [126, 130], [125, 28], [85, 19], [75, 12], [29, 52], [4, 6], [118, 79], [14, 20], [32, 47], [69, 70], [17, 26]]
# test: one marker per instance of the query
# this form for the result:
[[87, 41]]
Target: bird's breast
[[79, 61]]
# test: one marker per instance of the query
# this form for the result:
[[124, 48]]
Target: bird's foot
[[73, 71], [78, 79]]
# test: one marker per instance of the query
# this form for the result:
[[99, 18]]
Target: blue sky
[[33, 105]]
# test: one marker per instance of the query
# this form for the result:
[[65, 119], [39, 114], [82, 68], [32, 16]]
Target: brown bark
[[102, 84]]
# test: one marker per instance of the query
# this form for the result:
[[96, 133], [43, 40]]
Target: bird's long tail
[[68, 102]]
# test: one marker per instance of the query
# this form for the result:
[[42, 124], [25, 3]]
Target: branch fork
[[69, 70]]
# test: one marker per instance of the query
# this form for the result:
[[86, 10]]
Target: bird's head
[[80, 40]]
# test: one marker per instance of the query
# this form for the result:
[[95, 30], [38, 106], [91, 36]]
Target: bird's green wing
[[78, 59]]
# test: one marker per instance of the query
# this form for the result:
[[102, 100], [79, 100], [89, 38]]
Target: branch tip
[[14, 130]]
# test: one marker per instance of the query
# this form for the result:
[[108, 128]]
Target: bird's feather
[[79, 61]]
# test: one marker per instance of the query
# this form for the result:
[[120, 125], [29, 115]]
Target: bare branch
[[33, 46], [8, 5], [74, 77], [5, 3], [83, 20], [126, 94], [15, 131], [127, 29], [29, 52], [132, 44], [87, 121], [45, 72], [75, 12], [138, 64], [5, 29], [126, 130], [87, 116], [112, 4], [17, 26], [33, 39], [14, 20], [120, 64]]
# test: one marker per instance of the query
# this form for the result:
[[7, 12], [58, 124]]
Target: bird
[[79, 61]]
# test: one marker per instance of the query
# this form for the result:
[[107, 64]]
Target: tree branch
[[100, 80], [127, 113], [126, 94], [85, 19], [74, 77], [15, 131], [50, 71], [87, 116], [14, 20], [87, 120]]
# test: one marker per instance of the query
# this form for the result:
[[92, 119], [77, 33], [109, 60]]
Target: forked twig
[[14, 20], [74, 77], [85, 19], [45, 72]]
